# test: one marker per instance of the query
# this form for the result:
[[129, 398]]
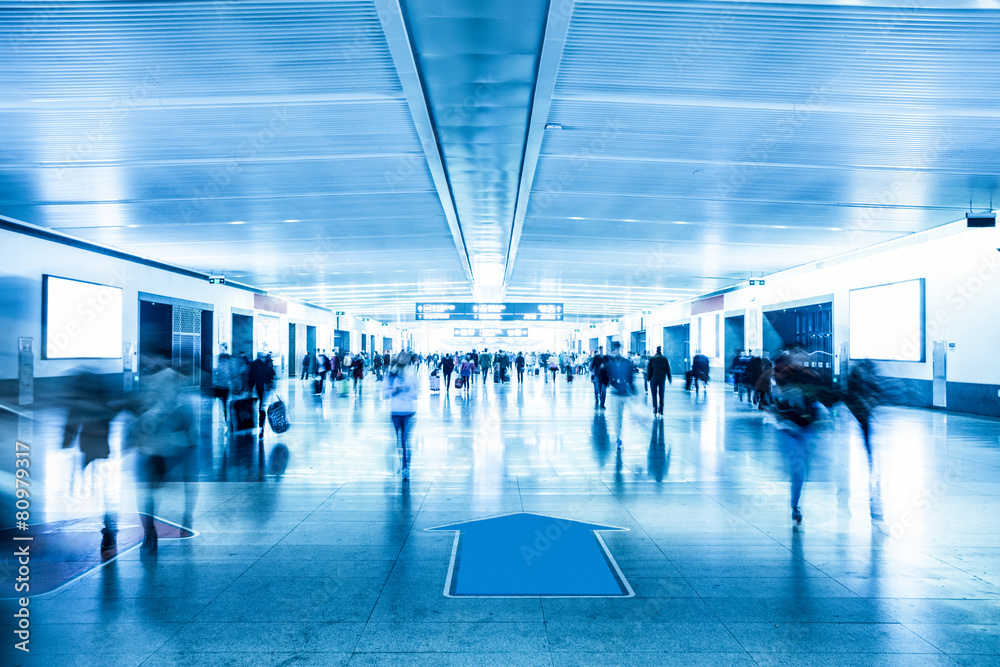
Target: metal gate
[[186, 344]]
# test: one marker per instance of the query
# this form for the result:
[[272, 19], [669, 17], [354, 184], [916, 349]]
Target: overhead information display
[[498, 312], [491, 333]]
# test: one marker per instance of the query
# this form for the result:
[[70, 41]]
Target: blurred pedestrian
[[865, 393], [89, 422], [401, 387], [164, 435], [797, 409]]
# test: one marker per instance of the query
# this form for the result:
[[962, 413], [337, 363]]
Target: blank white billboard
[[887, 322], [81, 320]]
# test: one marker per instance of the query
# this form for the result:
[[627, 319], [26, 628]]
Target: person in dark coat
[[750, 377], [865, 393], [90, 416], [357, 371], [447, 368], [519, 365], [700, 366], [261, 379], [306, 363], [600, 377], [658, 373]]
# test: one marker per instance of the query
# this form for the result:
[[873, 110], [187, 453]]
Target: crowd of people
[[162, 429]]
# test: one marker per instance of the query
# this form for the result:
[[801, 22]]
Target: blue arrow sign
[[523, 554]]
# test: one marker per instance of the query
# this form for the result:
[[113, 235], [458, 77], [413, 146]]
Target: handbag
[[277, 416], [459, 381]]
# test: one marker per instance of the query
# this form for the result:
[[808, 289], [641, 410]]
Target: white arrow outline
[[597, 534]]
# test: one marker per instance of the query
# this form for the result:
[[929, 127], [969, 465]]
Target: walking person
[[357, 372], [764, 382], [658, 374], [519, 365], [485, 364], [797, 409], [447, 368], [89, 419], [619, 370], [164, 434], [503, 363], [306, 363], [262, 380], [322, 369], [698, 373], [865, 393], [599, 376], [401, 387], [475, 365], [465, 372]]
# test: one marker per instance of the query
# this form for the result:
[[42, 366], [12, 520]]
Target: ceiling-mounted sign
[[499, 332], [498, 312]]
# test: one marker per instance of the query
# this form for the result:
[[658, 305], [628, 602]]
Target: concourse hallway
[[330, 563]]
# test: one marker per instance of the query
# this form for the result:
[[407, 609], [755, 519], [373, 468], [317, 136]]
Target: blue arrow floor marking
[[532, 555]]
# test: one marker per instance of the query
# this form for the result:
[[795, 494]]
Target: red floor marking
[[62, 551]]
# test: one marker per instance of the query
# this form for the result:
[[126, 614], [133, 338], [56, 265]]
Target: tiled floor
[[330, 565]]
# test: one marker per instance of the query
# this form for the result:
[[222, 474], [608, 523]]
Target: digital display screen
[[491, 333], [81, 320], [887, 322], [497, 312]]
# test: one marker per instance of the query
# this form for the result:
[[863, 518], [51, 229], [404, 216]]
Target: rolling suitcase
[[435, 383]]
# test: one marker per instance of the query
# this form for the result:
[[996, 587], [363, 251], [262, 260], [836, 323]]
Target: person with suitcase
[[447, 368]]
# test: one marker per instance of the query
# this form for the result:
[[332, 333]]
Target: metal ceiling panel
[[254, 138], [751, 137], [478, 63]]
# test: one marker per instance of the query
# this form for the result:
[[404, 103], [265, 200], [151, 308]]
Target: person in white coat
[[401, 388]]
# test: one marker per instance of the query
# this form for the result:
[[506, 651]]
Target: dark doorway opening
[[677, 347]]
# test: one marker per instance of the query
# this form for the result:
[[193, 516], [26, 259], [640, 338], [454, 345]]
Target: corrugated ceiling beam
[[397, 37], [545, 83]]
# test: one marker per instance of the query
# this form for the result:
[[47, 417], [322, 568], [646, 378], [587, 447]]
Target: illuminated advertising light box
[[80, 320], [888, 322]]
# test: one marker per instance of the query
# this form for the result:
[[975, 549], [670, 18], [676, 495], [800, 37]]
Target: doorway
[[734, 335], [677, 346]]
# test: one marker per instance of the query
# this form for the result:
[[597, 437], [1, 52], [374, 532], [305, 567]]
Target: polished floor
[[329, 563]]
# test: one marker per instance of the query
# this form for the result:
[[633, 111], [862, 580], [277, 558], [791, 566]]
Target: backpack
[[277, 416]]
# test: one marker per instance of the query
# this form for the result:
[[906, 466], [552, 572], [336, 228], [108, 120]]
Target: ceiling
[[615, 155]]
